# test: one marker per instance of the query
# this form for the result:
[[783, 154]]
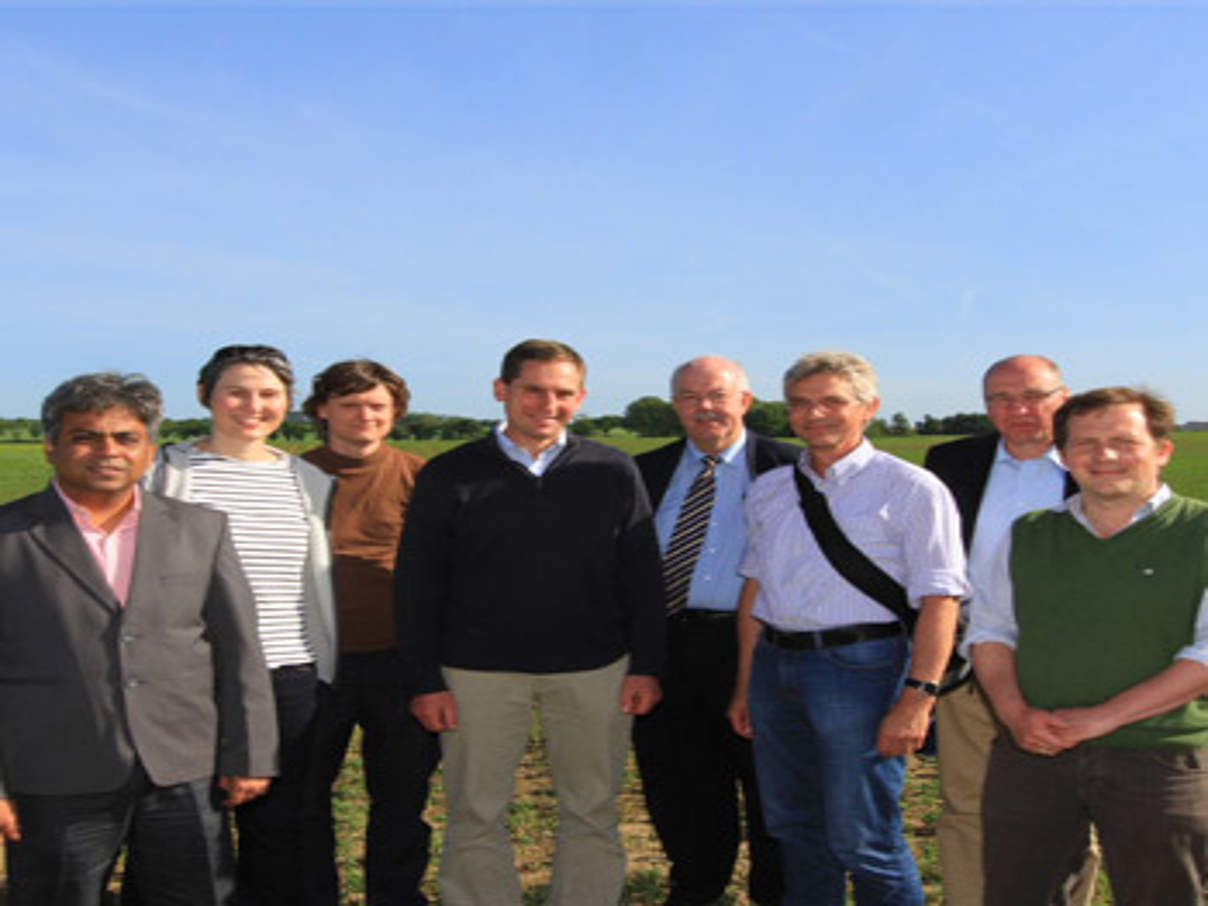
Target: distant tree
[[419, 425], [650, 416], [899, 425], [295, 430], [460, 428], [960, 423], [769, 418], [966, 423], [877, 428], [929, 425]]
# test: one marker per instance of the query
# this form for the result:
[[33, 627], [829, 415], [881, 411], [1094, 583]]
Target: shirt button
[[127, 636], [132, 683]]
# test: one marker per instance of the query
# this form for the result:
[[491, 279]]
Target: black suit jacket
[[964, 466], [762, 453], [175, 679]]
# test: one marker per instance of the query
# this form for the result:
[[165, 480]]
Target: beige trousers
[[965, 729], [587, 740]]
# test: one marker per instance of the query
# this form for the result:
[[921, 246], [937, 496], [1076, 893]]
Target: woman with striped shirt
[[277, 505]]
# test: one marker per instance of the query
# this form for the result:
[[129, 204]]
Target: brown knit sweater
[[371, 500]]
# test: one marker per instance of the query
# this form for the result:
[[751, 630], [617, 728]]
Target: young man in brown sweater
[[356, 404]]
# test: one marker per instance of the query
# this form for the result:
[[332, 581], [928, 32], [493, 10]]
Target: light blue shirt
[[535, 464], [715, 580], [992, 614], [1013, 487], [902, 517]]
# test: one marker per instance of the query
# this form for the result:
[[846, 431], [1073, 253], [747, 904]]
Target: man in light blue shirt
[[692, 763], [995, 478]]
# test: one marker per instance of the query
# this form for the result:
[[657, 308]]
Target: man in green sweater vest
[[1090, 637]]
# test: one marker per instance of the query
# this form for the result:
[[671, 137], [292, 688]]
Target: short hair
[[99, 392], [855, 368], [538, 351], [269, 357], [355, 376], [1159, 414], [744, 385]]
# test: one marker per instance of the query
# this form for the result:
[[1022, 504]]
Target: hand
[[739, 715], [1039, 732], [639, 694], [1075, 725], [904, 726], [10, 828], [437, 711], [242, 789]]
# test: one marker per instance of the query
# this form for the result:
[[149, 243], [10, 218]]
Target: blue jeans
[[828, 798]]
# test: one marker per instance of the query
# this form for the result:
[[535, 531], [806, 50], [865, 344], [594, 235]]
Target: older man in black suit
[[692, 763], [995, 478], [133, 692]]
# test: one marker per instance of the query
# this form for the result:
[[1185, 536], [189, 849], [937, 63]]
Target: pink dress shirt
[[114, 551]]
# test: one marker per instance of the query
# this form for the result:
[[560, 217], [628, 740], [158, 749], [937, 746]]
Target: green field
[[23, 469]]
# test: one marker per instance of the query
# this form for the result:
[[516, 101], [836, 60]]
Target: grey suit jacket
[[176, 678]]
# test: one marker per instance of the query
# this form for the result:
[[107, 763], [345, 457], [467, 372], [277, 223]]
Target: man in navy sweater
[[528, 573]]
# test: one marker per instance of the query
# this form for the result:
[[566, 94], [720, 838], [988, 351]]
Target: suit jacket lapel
[[155, 526], [658, 469], [56, 532]]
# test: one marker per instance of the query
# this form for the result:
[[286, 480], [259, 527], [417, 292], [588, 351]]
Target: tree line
[[652, 416], [647, 416]]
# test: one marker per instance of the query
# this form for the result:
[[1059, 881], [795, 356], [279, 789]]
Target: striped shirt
[[900, 516], [268, 523]]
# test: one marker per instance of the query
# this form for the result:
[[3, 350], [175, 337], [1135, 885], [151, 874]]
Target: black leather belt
[[700, 615], [829, 638]]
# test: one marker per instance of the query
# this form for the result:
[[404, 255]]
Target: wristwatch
[[924, 686]]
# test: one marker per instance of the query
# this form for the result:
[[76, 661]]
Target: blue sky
[[934, 186]]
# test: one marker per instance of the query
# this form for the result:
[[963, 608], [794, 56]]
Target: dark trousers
[[398, 756], [693, 766], [1150, 807], [270, 827], [69, 843]]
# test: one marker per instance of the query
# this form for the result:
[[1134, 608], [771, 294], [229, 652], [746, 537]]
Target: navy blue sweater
[[499, 569]]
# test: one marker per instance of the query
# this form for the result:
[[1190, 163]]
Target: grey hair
[[740, 374], [855, 368], [101, 391]]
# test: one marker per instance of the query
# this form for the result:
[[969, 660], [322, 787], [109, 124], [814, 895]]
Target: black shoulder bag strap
[[848, 560]]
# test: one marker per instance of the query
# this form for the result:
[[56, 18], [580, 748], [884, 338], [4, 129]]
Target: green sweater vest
[[1098, 615]]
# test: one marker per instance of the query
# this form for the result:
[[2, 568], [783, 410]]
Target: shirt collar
[[514, 451], [726, 456], [846, 467], [83, 519], [1003, 456], [1074, 506]]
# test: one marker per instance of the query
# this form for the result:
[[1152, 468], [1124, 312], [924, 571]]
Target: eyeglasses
[[1028, 398]]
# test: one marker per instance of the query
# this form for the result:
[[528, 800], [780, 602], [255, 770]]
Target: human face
[[248, 404], [1021, 397], [98, 456], [540, 402], [357, 423], [1112, 455], [825, 413], [710, 402]]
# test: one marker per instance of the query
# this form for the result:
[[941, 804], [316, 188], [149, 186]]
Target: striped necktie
[[689, 533]]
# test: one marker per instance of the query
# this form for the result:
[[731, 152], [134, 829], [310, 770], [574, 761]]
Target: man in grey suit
[[131, 677]]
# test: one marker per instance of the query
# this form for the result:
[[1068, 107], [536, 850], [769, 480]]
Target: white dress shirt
[[901, 516]]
